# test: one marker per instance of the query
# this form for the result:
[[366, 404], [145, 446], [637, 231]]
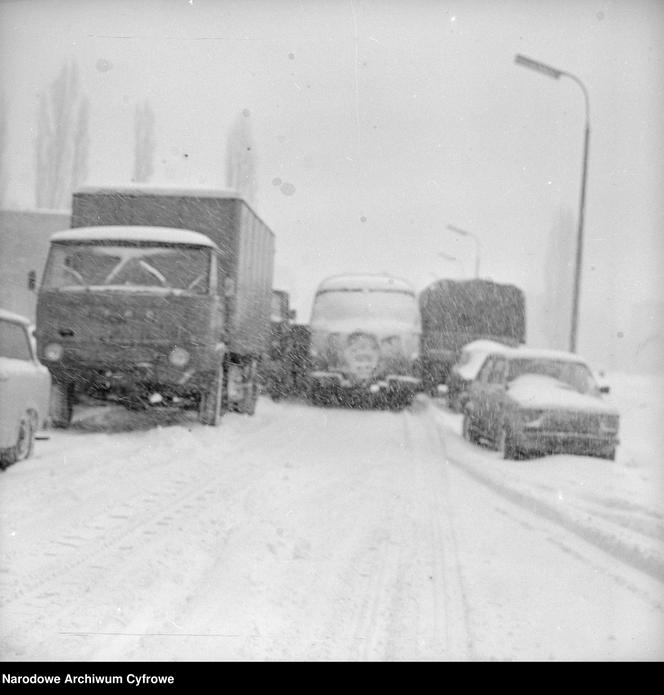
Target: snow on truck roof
[[355, 282], [164, 189], [15, 318], [164, 235]]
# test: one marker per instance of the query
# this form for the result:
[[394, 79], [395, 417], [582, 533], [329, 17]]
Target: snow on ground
[[318, 534], [617, 505]]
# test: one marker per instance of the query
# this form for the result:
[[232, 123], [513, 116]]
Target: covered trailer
[[457, 312], [157, 295]]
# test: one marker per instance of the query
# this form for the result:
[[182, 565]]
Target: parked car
[[539, 401], [24, 389], [466, 368]]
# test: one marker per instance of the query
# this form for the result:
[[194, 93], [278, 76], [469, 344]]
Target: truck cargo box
[[245, 241]]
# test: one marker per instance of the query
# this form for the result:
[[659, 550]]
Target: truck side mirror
[[32, 281], [292, 314]]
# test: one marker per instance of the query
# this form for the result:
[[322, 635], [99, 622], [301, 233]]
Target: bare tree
[[144, 143], [62, 140], [3, 148], [79, 170], [240, 158]]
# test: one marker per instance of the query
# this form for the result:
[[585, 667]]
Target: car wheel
[[505, 444], [609, 454], [467, 429], [318, 396], [25, 442]]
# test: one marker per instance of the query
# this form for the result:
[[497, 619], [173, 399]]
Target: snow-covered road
[[305, 533]]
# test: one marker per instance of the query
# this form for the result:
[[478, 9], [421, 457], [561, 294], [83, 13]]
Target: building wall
[[24, 236]]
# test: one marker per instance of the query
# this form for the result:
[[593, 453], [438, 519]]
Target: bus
[[365, 333]]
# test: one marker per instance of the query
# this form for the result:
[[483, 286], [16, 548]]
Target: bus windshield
[[338, 305], [128, 266]]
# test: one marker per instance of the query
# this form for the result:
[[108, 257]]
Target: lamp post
[[472, 236], [556, 74], [449, 257]]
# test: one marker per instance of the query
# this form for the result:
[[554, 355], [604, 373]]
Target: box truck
[[157, 296]]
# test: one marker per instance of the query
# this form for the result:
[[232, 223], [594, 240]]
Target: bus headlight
[[179, 357], [53, 352]]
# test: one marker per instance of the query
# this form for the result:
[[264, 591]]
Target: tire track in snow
[[117, 554], [449, 599]]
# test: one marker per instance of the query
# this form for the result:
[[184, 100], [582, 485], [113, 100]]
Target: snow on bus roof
[[161, 190], [366, 281], [166, 235]]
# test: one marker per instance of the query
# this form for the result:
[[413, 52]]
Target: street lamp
[[472, 236], [449, 257], [555, 73]]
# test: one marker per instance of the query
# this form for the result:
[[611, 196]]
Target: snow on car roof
[[484, 346], [544, 353], [167, 235], [164, 189], [6, 315], [367, 281]]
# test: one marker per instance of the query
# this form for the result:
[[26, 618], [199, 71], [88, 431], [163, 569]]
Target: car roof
[[167, 235], [6, 315], [544, 353], [484, 346]]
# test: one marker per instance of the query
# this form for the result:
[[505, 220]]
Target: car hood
[[10, 367], [538, 391]]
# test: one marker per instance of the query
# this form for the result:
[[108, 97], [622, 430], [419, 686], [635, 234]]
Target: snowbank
[[617, 506]]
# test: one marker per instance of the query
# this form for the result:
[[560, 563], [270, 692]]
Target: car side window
[[499, 372], [14, 342], [464, 358], [485, 372]]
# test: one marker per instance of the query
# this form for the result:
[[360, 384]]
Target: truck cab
[[135, 314]]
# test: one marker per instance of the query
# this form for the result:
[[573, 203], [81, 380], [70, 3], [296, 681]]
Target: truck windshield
[[338, 305], [128, 266]]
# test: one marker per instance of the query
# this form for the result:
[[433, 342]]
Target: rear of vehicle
[[24, 389], [130, 313], [458, 312], [275, 371], [365, 335], [529, 401]]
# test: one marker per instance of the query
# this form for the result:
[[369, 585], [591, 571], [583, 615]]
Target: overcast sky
[[388, 120]]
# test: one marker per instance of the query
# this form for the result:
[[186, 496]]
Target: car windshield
[[127, 266], [14, 341], [338, 305], [575, 374]]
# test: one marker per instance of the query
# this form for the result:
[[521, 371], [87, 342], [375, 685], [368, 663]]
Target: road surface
[[298, 534]]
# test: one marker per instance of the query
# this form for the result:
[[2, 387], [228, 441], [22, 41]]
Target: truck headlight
[[532, 418], [179, 357], [53, 352]]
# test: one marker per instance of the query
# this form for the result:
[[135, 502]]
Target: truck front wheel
[[62, 403], [209, 409], [247, 404]]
